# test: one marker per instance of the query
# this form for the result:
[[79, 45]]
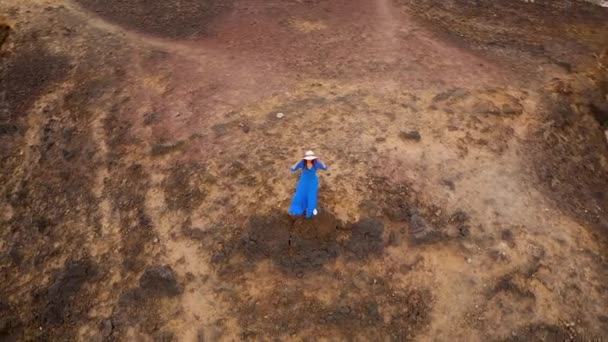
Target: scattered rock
[[421, 231], [508, 283], [600, 112], [160, 280], [393, 240], [411, 135], [195, 233], [459, 217], [106, 327], [152, 118], [164, 336], [4, 32], [486, 107], [345, 310], [245, 128], [508, 109], [453, 94], [280, 115], [165, 148], [507, 236], [442, 96], [450, 184]]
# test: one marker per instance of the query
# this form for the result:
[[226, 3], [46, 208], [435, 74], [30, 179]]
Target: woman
[[305, 199]]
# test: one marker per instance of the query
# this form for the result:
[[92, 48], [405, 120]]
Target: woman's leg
[[311, 201], [298, 203]]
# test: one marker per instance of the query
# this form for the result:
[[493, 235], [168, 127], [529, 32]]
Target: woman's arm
[[297, 166], [320, 166]]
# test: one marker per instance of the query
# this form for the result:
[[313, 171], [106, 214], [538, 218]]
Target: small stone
[[469, 260], [486, 107], [280, 115], [156, 240], [160, 280], [392, 239], [345, 310], [509, 109], [411, 135], [245, 128], [106, 327]]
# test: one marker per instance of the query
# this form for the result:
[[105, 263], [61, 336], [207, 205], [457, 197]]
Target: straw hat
[[310, 155]]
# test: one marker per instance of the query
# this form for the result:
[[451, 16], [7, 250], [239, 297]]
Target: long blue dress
[[305, 199]]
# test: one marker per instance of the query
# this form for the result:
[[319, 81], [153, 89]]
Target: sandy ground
[[145, 182]]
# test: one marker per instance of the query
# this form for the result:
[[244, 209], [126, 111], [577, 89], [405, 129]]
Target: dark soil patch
[[169, 19], [58, 300], [118, 131], [29, 71], [165, 336], [366, 238], [140, 305], [425, 223], [4, 32], [54, 209], [10, 324], [299, 245], [55, 191], [524, 30], [322, 227], [294, 246], [541, 332], [185, 186], [568, 157], [127, 188], [289, 311], [155, 282], [508, 283]]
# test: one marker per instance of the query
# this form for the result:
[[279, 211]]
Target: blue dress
[[305, 199]]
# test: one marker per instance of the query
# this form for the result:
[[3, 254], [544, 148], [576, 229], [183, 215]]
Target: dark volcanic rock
[[160, 280], [411, 135], [486, 107], [422, 231]]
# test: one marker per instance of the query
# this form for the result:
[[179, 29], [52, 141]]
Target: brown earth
[[144, 171]]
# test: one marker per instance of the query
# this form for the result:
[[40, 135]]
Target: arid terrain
[[144, 170]]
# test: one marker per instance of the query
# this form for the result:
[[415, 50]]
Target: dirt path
[[145, 181]]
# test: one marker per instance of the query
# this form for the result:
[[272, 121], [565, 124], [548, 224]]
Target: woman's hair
[[314, 162]]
